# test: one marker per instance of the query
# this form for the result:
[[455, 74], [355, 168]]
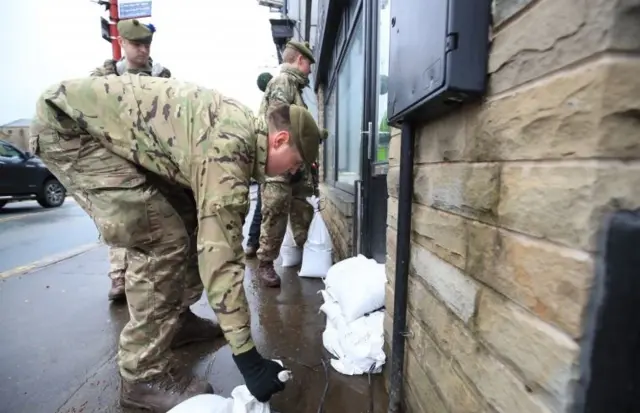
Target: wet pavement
[[59, 338], [29, 232]]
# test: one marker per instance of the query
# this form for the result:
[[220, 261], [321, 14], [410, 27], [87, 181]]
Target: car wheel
[[53, 194], [3, 203]]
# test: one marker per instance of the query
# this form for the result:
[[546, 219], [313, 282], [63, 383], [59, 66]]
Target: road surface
[[59, 334], [29, 233]]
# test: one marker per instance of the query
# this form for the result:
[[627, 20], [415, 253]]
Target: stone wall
[[508, 198], [336, 207]]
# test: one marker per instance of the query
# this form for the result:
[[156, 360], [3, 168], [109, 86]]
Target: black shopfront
[[352, 53]]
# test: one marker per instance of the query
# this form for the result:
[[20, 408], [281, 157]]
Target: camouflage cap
[[305, 133], [303, 48], [136, 31], [263, 80]]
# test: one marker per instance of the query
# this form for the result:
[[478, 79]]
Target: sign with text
[[106, 34], [134, 9]]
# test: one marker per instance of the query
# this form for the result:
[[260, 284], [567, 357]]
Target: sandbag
[[290, 253], [317, 252], [357, 347], [241, 401], [358, 286]]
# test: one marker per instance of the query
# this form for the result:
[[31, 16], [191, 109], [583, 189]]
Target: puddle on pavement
[[286, 325]]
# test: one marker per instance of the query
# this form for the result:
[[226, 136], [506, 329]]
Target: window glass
[[350, 91], [8, 152], [383, 132], [329, 144]]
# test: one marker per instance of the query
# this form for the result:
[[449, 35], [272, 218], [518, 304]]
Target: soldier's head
[[263, 80], [299, 55], [135, 39], [293, 140]]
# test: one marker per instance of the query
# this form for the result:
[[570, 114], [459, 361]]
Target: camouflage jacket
[[191, 136], [285, 88], [119, 67]]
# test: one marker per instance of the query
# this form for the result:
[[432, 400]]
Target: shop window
[[383, 132], [350, 95], [329, 144]]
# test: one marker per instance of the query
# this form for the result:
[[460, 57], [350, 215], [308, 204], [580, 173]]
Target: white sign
[[134, 9]]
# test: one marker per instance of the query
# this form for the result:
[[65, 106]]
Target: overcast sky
[[221, 44]]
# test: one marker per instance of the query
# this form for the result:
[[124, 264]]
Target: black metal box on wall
[[439, 51]]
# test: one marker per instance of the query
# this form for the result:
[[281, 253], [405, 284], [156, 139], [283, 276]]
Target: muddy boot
[[267, 275], [161, 394], [194, 329], [116, 293], [250, 252]]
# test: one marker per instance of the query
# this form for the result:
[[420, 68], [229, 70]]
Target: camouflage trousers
[[153, 220], [284, 201], [117, 263]]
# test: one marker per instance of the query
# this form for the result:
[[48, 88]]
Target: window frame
[[350, 18]]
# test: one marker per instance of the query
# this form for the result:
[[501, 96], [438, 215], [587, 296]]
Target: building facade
[[16, 132], [509, 196], [352, 50]]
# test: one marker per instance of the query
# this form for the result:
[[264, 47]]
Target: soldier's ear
[[279, 139]]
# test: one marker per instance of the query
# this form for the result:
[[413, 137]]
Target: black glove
[[260, 375]]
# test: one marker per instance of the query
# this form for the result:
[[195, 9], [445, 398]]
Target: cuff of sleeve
[[240, 341]]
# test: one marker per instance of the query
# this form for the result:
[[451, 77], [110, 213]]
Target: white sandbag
[[241, 401], [358, 347], [317, 253], [205, 403], [358, 286], [331, 341], [335, 323], [363, 346], [290, 253]]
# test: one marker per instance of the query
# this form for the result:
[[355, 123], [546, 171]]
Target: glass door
[[376, 131]]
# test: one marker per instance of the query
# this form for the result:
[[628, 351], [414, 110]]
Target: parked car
[[24, 177]]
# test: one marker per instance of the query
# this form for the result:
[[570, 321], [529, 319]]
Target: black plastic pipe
[[403, 255], [307, 20]]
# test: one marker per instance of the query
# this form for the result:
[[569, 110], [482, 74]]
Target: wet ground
[[58, 339], [29, 232]]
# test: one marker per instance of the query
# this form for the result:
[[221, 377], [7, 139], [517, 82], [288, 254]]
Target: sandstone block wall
[[508, 197], [336, 207]]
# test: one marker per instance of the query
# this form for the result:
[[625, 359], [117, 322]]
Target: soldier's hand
[[260, 375]]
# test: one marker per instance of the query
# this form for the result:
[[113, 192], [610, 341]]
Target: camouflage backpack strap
[[108, 68]]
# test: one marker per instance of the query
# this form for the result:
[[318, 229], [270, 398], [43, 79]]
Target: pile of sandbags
[[316, 256], [354, 303]]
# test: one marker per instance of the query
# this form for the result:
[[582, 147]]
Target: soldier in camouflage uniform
[[135, 40], [284, 196], [121, 145]]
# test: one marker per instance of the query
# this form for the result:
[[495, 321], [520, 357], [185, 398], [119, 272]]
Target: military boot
[[267, 274], [162, 393], [194, 329], [116, 293]]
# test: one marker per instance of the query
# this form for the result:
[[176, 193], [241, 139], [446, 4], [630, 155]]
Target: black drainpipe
[[403, 255], [307, 20]]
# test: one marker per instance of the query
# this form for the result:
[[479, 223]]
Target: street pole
[[113, 28]]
